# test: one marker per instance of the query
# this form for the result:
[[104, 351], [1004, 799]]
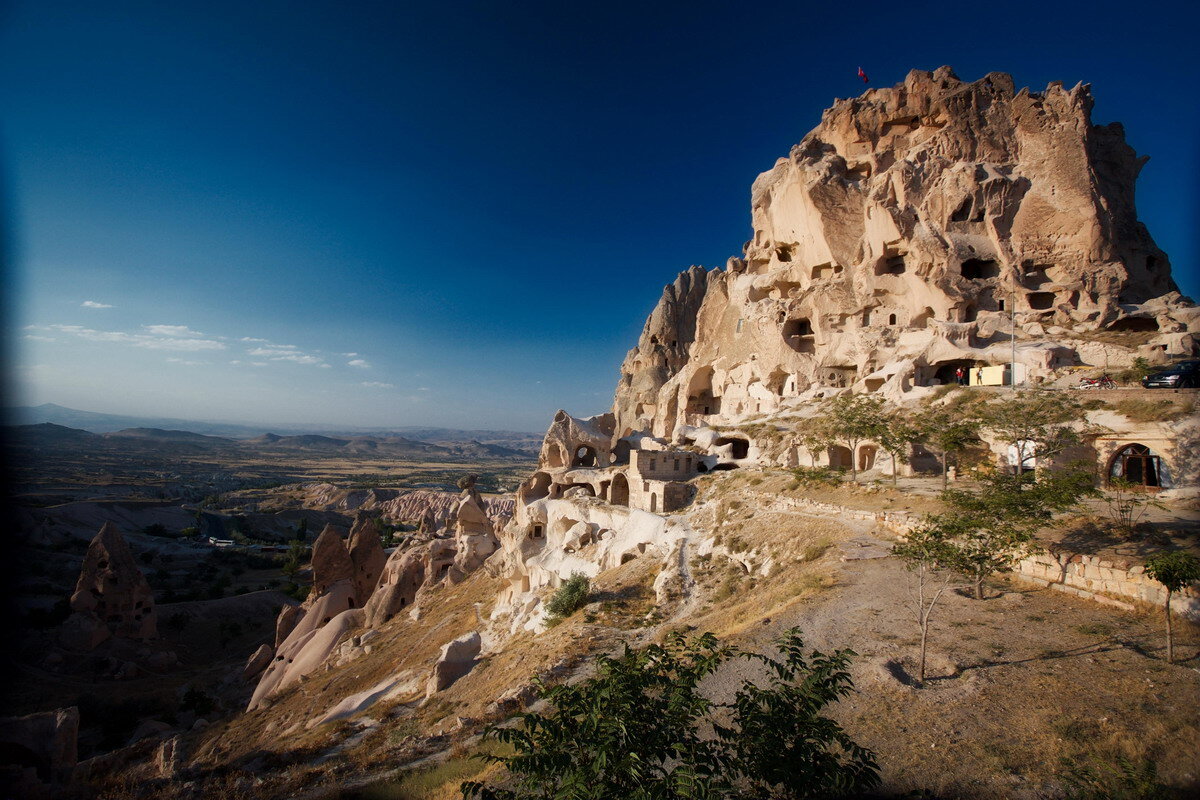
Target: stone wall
[[1095, 577]]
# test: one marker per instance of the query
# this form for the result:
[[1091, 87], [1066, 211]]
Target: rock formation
[[331, 562], [366, 555], [904, 237], [918, 229], [111, 597], [39, 753], [455, 660]]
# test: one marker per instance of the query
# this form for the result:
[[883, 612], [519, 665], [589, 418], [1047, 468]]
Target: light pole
[[1012, 316]]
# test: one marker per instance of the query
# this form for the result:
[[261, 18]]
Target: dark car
[[1183, 375]]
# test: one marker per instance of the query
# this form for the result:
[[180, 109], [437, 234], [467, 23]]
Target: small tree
[[296, 555], [947, 432], [1127, 503], [924, 552], [1176, 571], [896, 434], [1036, 425], [853, 419], [989, 530], [813, 433], [636, 730]]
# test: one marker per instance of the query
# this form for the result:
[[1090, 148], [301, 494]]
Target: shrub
[[636, 730], [569, 598], [816, 476]]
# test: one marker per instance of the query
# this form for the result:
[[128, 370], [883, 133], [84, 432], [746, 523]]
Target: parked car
[[1183, 375]]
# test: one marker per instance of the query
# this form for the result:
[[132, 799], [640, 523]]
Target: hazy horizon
[[418, 215]]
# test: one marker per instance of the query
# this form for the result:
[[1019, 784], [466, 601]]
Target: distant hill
[[170, 436], [406, 440], [47, 433]]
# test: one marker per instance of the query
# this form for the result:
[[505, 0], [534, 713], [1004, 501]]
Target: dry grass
[[1165, 409]]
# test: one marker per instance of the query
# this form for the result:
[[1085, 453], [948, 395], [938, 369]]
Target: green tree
[[988, 530], [853, 419], [814, 435], [636, 730], [1036, 425], [1175, 571], [948, 432], [896, 434], [302, 530], [296, 555]]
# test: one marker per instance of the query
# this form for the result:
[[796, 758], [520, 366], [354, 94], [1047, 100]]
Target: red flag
[[863, 75]]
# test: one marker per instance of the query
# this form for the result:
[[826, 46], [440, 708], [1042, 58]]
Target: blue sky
[[455, 213]]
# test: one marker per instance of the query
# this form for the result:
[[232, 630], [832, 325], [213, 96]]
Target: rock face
[[39, 752], [903, 238], [330, 561], [111, 597], [402, 578], [456, 659], [366, 555]]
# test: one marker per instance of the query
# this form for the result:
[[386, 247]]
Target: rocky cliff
[[916, 229]]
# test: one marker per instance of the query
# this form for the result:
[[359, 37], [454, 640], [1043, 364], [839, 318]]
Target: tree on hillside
[[638, 729], [896, 434], [1036, 425], [948, 431], [925, 553], [1175, 571], [853, 419], [988, 530], [814, 435]]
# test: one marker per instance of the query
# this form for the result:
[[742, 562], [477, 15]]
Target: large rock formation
[[904, 237], [111, 597], [39, 753], [366, 556]]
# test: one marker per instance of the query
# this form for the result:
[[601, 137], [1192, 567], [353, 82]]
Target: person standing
[[960, 376]]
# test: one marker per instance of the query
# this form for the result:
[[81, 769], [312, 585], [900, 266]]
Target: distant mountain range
[[407, 439]]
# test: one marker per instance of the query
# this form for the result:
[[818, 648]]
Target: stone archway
[[618, 493], [840, 457]]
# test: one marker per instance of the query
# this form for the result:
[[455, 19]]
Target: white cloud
[[377, 385], [327, 366], [33, 337], [285, 352], [94, 304], [252, 339], [148, 339], [361, 363], [350, 355], [185, 362], [172, 330], [422, 388]]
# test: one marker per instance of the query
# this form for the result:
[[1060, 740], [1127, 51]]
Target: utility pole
[[1012, 316]]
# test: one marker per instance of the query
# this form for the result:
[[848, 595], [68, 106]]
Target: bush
[[816, 476], [639, 730], [569, 598]]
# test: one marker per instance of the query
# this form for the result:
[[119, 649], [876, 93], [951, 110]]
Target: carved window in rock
[[740, 447], [1137, 464], [538, 532], [980, 269], [740, 324], [1136, 324], [798, 334], [892, 263], [784, 252], [585, 456], [891, 319], [823, 272], [1041, 301]]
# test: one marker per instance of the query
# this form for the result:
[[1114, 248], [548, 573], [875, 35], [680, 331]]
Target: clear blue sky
[[456, 213]]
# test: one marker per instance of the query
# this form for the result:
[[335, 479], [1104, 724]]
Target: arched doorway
[[866, 457], [619, 493], [653, 501], [840, 457], [585, 456], [1137, 464]]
